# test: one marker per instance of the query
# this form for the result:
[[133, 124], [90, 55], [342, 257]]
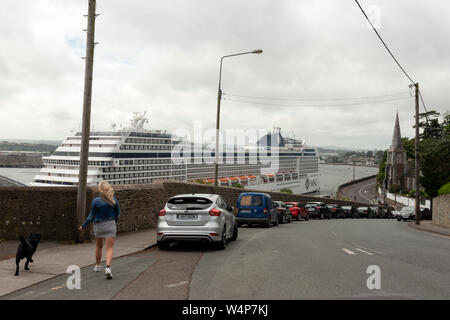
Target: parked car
[[407, 213], [395, 214], [256, 208], [363, 212], [318, 210], [336, 211], [198, 217], [298, 210], [426, 214], [284, 214], [377, 213], [348, 211]]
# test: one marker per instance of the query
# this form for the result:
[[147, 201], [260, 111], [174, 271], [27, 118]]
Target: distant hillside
[[14, 146], [31, 141]]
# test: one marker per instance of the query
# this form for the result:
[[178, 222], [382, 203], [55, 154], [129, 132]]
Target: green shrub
[[395, 188], [286, 190], [237, 185], [445, 189]]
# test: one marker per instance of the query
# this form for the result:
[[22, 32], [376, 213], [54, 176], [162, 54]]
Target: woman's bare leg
[[109, 250], [98, 250]]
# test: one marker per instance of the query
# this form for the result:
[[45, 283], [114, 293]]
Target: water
[[331, 176], [23, 175]]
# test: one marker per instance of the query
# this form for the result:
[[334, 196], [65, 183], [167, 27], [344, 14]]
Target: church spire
[[397, 136]]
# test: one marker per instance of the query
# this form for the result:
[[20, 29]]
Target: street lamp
[[219, 98]]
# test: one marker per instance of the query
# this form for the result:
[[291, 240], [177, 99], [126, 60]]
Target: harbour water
[[331, 176]]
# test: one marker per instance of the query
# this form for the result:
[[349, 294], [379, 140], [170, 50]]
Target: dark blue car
[[256, 208]]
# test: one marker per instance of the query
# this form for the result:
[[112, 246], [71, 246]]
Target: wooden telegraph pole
[[84, 150], [417, 169]]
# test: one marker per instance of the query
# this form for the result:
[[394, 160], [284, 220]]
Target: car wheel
[[268, 223], [163, 245], [298, 217], [277, 222], [307, 217], [321, 216], [290, 218], [221, 244], [329, 216], [235, 233]]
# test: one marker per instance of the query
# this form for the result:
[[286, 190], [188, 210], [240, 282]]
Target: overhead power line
[[384, 43], [314, 100], [314, 105]]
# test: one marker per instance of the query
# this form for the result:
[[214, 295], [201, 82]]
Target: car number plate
[[187, 216]]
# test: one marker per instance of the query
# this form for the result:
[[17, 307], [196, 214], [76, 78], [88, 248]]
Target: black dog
[[26, 250]]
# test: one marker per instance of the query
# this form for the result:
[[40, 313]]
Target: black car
[[284, 214], [348, 211], [318, 210], [426, 214], [336, 211], [377, 213], [363, 212]]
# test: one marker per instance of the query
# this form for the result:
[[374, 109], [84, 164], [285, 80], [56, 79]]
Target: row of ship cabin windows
[[142, 168], [145, 174], [140, 147]]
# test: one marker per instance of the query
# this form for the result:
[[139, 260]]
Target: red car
[[298, 210]]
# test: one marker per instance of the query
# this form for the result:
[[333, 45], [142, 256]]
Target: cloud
[[163, 56]]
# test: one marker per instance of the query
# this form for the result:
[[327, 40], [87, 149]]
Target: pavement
[[428, 226], [52, 258], [363, 192]]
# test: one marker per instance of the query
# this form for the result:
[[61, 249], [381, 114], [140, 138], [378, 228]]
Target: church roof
[[396, 137]]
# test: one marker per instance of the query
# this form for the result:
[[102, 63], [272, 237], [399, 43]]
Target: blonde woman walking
[[105, 212]]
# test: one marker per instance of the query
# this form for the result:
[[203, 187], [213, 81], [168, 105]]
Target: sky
[[163, 57]]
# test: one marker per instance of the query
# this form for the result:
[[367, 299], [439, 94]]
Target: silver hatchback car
[[196, 217]]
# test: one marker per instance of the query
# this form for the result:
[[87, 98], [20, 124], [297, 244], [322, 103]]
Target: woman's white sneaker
[[108, 273], [97, 268]]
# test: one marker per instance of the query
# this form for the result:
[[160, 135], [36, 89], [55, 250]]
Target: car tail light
[[215, 212], [318, 208], [266, 211], [162, 212], [279, 209], [160, 233], [214, 234]]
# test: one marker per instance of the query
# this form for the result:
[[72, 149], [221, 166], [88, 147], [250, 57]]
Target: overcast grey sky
[[163, 56]]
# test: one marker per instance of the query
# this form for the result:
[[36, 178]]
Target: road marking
[[348, 251], [57, 288], [373, 250], [174, 285], [333, 233], [363, 187], [369, 253]]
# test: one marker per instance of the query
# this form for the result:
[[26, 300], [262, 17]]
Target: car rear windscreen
[[189, 203], [246, 201]]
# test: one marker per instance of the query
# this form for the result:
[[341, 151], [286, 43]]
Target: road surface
[[318, 259], [364, 192]]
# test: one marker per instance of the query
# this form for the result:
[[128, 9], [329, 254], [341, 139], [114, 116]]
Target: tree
[[445, 189], [286, 190], [382, 170], [435, 164], [369, 154]]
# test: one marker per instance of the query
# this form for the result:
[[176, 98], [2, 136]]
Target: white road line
[[174, 285], [363, 187], [369, 253], [348, 251], [333, 233], [373, 250]]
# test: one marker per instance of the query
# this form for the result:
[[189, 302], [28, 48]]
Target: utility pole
[[417, 169], [84, 150]]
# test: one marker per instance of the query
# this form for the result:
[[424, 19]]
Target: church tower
[[396, 166]]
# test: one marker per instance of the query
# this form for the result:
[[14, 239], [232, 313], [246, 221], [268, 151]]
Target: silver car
[[196, 217], [407, 213]]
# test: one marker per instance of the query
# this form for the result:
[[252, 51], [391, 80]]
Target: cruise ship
[[136, 155]]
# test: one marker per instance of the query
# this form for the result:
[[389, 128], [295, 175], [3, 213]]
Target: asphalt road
[[319, 259], [365, 192]]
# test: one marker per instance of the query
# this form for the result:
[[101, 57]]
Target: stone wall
[[441, 211], [339, 192], [51, 211]]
